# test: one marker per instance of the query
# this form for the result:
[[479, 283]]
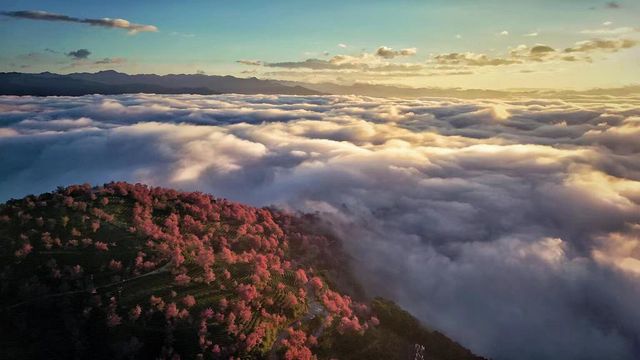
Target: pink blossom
[[115, 265], [205, 258], [316, 282], [113, 319], [224, 303], [347, 324], [135, 312], [291, 300], [101, 246], [207, 313], [183, 314], [156, 302], [183, 279], [301, 277], [95, 225], [171, 311], [24, 251], [76, 271], [247, 292], [189, 301]]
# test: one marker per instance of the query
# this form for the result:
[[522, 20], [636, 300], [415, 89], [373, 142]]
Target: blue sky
[[211, 36]]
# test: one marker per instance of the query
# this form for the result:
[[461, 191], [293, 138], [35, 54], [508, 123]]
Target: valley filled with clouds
[[511, 225]]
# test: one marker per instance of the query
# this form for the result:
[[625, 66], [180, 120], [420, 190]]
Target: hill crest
[[130, 271]]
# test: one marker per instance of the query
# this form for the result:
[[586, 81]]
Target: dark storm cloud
[[510, 225], [105, 22], [79, 54]]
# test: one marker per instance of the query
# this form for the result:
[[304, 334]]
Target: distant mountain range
[[111, 82], [381, 90]]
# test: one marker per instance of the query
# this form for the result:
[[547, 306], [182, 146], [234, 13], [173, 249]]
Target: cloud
[[532, 34], [85, 61], [250, 62], [185, 35], [386, 65], [389, 53], [542, 49], [314, 64], [613, 5], [443, 64], [607, 45], [110, 61], [609, 31], [471, 59], [579, 52], [344, 46], [509, 225], [104, 22], [536, 53], [365, 62], [504, 33], [79, 54]]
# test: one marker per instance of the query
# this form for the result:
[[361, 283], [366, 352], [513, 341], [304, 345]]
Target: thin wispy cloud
[[132, 28], [610, 31], [110, 61], [250, 62]]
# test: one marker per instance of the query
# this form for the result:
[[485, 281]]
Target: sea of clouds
[[513, 226]]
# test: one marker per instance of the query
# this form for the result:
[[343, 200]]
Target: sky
[[431, 43]]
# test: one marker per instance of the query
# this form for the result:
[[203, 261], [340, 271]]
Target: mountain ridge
[[110, 82]]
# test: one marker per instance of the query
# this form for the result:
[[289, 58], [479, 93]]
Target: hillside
[[127, 271]]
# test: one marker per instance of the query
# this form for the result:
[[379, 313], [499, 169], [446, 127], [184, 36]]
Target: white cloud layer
[[512, 226]]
